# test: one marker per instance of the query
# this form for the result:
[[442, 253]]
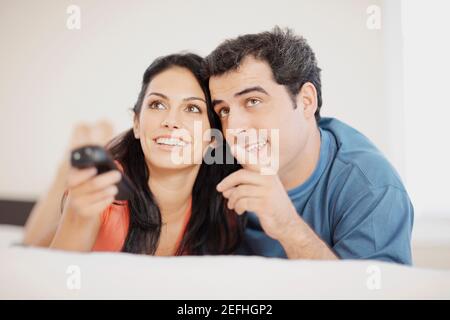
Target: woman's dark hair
[[290, 57], [212, 228]]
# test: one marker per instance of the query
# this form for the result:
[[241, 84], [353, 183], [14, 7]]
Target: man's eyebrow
[[251, 89], [167, 98], [240, 93], [216, 102]]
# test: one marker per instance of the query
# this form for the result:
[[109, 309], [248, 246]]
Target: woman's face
[[173, 120]]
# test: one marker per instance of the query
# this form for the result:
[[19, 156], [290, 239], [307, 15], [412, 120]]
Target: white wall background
[[52, 77], [426, 27]]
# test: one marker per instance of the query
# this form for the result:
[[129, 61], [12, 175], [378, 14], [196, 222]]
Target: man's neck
[[297, 171], [172, 190]]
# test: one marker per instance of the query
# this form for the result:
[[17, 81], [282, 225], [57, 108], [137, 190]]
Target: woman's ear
[[307, 99], [213, 144], [136, 128]]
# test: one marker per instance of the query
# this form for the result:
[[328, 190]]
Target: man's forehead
[[251, 72]]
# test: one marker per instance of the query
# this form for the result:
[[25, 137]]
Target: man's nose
[[237, 123]]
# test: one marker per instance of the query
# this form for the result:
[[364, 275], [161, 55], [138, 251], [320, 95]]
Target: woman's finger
[[83, 203], [97, 207], [90, 198], [79, 176], [100, 182]]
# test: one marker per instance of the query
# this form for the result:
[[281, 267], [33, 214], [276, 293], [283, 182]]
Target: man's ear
[[136, 127], [307, 99]]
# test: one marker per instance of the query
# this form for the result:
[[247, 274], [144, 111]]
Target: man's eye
[[193, 108], [223, 112], [157, 105], [253, 102]]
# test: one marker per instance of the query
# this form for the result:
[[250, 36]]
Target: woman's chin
[[167, 162]]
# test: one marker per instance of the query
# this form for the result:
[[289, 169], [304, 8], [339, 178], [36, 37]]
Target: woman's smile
[[170, 142]]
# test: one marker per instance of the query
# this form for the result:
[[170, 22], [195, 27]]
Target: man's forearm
[[301, 242]]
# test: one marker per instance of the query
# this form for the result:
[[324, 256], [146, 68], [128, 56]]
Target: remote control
[[99, 157]]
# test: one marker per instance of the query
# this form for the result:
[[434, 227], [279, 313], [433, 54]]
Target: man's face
[[249, 99]]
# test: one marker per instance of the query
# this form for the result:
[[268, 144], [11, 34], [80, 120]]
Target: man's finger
[[246, 204], [242, 191], [239, 177]]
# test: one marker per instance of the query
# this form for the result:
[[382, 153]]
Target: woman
[[176, 209]]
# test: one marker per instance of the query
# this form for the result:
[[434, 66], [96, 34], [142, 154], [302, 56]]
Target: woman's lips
[[168, 142]]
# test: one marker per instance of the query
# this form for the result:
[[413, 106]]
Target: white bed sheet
[[33, 273]]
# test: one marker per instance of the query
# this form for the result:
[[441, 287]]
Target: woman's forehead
[[176, 82]]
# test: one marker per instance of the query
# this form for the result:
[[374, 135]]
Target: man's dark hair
[[292, 60]]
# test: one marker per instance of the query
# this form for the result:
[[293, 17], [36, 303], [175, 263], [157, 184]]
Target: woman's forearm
[[43, 220], [76, 233]]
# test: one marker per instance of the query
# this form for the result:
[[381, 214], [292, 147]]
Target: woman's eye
[[253, 102], [223, 112], [157, 105], [193, 108]]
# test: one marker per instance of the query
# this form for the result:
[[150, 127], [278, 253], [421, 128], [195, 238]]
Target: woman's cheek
[[145, 145]]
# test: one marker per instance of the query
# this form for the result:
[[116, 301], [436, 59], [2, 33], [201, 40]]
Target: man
[[334, 195]]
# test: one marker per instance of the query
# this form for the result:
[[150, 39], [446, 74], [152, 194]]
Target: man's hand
[[247, 190], [265, 195]]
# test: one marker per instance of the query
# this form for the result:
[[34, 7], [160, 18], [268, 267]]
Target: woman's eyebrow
[[194, 98], [158, 94], [167, 98]]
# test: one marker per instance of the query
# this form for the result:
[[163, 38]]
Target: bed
[[37, 273]]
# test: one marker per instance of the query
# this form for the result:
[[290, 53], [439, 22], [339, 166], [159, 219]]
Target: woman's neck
[[172, 190]]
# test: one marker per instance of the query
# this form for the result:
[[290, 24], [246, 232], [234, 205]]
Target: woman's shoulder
[[114, 227], [117, 210]]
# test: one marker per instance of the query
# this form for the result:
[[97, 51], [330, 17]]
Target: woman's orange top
[[114, 227], [116, 221]]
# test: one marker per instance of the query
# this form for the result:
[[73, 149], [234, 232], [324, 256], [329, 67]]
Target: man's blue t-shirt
[[354, 200]]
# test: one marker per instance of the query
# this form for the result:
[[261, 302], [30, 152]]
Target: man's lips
[[252, 147]]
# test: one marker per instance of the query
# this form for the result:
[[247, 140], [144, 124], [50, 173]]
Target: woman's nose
[[171, 121]]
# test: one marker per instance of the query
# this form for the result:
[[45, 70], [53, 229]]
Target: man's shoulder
[[358, 158]]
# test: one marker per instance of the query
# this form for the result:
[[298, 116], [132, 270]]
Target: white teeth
[[256, 146], [171, 142]]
